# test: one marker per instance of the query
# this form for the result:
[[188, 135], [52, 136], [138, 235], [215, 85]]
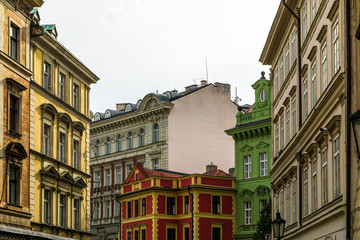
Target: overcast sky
[[139, 46]]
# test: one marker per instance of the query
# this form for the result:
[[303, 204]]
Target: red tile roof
[[217, 172], [161, 173]]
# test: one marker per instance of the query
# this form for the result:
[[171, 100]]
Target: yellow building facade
[[59, 137]]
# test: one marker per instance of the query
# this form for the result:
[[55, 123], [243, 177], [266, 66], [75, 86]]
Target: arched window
[[156, 132], [128, 108], [142, 137], [108, 145], [97, 117], [98, 147], [107, 114], [119, 143], [130, 140]]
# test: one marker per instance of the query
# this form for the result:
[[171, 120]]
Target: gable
[[246, 148], [262, 145], [137, 170]]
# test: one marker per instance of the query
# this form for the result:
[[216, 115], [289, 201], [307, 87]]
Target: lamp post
[[278, 226], [355, 121]]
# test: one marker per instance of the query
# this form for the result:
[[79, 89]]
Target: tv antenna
[[236, 98]]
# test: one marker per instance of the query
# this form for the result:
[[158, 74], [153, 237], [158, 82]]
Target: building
[[15, 76], [309, 172], [252, 136], [161, 204], [158, 132], [59, 136]]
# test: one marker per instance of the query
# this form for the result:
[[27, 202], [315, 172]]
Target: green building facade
[[252, 135]]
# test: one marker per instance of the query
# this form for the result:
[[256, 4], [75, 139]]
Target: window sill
[[14, 205], [14, 134]]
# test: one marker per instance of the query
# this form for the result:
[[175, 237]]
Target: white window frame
[[287, 126], [305, 99], [335, 31], [108, 145], [293, 116], [263, 164], [293, 50], [107, 173], [119, 179], [287, 63], [276, 81], [156, 163], [247, 166], [304, 22], [324, 176], [336, 164], [281, 61], [323, 67], [314, 184], [313, 10], [305, 192], [247, 211], [313, 84], [97, 177], [276, 140]]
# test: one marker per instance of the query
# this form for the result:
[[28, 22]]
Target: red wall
[[179, 205], [205, 203], [166, 183], [162, 228], [161, 204], [127, 188], [148, 224], [205, 228], [146, 184], [149, 205], [217, 182], [227, 205], [185, 182]]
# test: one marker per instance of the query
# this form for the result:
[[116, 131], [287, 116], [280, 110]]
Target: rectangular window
[[293, 117], [216, 233], [156, 163], [293, 51], [62, 210], [336, 167], [47, 76], [62, 147], [143, 234], [336, 47], [170, 206], [323, 68], [216, 204], [47, 130], [247, 167], [107, 177], [281, 202], [304, 21], [14, 114], [136, 235], [97, 179], [47, 206], [247, 208], [129, 209], [118, 175], [14, 42], [276, 81], [276, 141], [76, 213], [287, 63], [294, 201], [313, 85], [76, 154], [62, 79], [314, 185], [262, 204], [129, 235], [143, 206], [305, 99], [324, 177], [129, 168], [305, 191], [263, 164], [186, 204], [281, 133], [136, 203], [13, 185], [287, 204], [171, 234], [186, 233], [281, 70], [96, 210], [76, 96], [313, 10], [287, 126], [107, 207]]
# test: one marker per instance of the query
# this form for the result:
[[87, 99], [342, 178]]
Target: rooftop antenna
[[157, 86], [236, 98], [206, 68]]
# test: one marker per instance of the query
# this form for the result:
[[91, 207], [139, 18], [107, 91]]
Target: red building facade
[[165, 205]]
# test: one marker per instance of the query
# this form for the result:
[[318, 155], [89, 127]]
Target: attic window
[[138, 104], [168, 94], [128, 108], [262, 95], [97, 117], [107, 114]]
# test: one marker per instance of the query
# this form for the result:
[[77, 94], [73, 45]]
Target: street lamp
[[278, 226], [355, 121]]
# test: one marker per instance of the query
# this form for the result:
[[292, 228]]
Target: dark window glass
[[46, 139], [47, 206], [143, 206], [216, 233], [62, 147], [62, 87], [216, 204], [14, 114], [136, 235], [143, 234], [128, 235], [13, 42], [171, 206], [129, 209], [186, 233], [47, 79], [76, 154], [171, 234], [136, 208], [76, 214], [13, 185], [186, 203], [62, 210]]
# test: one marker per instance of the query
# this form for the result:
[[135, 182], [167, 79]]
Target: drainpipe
[[192, 213], [298, 58], [120, 230], [347, 121]]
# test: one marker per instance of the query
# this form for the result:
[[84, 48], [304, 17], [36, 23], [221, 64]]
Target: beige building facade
[[310, 119]]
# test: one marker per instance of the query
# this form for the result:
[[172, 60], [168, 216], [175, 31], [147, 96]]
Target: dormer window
[[138, 104], [107, 114], [168, 94], [262, 95], [97, 117], [128, 108]]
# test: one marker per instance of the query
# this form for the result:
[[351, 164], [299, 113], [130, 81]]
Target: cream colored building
[[309, 167], [181, 131]]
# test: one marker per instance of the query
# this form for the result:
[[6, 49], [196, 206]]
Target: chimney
[[232, 171], [211, 167], [203, 82], [120, 106], [190, 87]]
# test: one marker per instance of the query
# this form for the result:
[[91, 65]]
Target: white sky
[[139, 46]]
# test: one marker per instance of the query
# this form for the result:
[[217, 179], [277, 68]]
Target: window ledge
[[14, 134]]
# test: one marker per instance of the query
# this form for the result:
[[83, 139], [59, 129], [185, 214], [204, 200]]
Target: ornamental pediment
[[262, 145], [246, 148]]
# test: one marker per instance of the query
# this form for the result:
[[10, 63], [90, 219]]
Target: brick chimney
[[211, 167], [203, 82]]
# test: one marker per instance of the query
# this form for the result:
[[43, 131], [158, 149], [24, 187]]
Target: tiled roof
[[163, 173], [218, 172]]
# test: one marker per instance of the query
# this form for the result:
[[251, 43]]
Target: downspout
[[119, 219], [298, 58], [192, 213], [347, 121]]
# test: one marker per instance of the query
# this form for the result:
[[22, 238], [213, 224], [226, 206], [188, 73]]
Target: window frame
[[247, 213], [336, 166], [62, 86], [216, 204], [323, 56], [14, 185], [313, 84], [156, 133], [14, 53], [314, 184], [170, 205], [143, 206], [63, 210], [141, 137], [130, 140], [324, 176], [47, 73], [76, 213], [335, 46], [247, 167], [305, 192], [263, 162], [47, 206]]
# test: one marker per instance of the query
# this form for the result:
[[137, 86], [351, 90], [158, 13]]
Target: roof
[[218, 173], [163, 173]]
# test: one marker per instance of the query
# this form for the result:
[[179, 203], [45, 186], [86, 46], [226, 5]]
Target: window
[[156, 133], [62, 210], [304, 16], [119, 143], [336, 46], [14, 42], [186, 204], [323, 68], [305, 96], [143, 234], [324, 172], [293, 37], [293, 116], [281, 133], [129, 235], [247, 162], [76, 96], [171, 233], [263, 164], [281, 202], [287, 63], [129, 168], [97, 148], [136, 203], [136, 235], [118, 175], [336, 167], [143, 206], [14, 188], [47, 131], [14, 114], [156, 163], [62, 147], [287, 204], [97, 179], [130, 140], [276, 81], [262, 95], [47, 206], [313, 84], [129, 209], [276, 140], [47, 76], [107, 207], [107, 177], [314, 185], [305, 191], [294, 200], [62, 79], [96, 210], [216, 204], [76, 154], [281, 70], [76, 213], [216, 233], [170, 206], [313, 10], [287, 126], [107, 114], [142, 137], [262, 204], [108, 145], [247, 207], [186, 233]]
